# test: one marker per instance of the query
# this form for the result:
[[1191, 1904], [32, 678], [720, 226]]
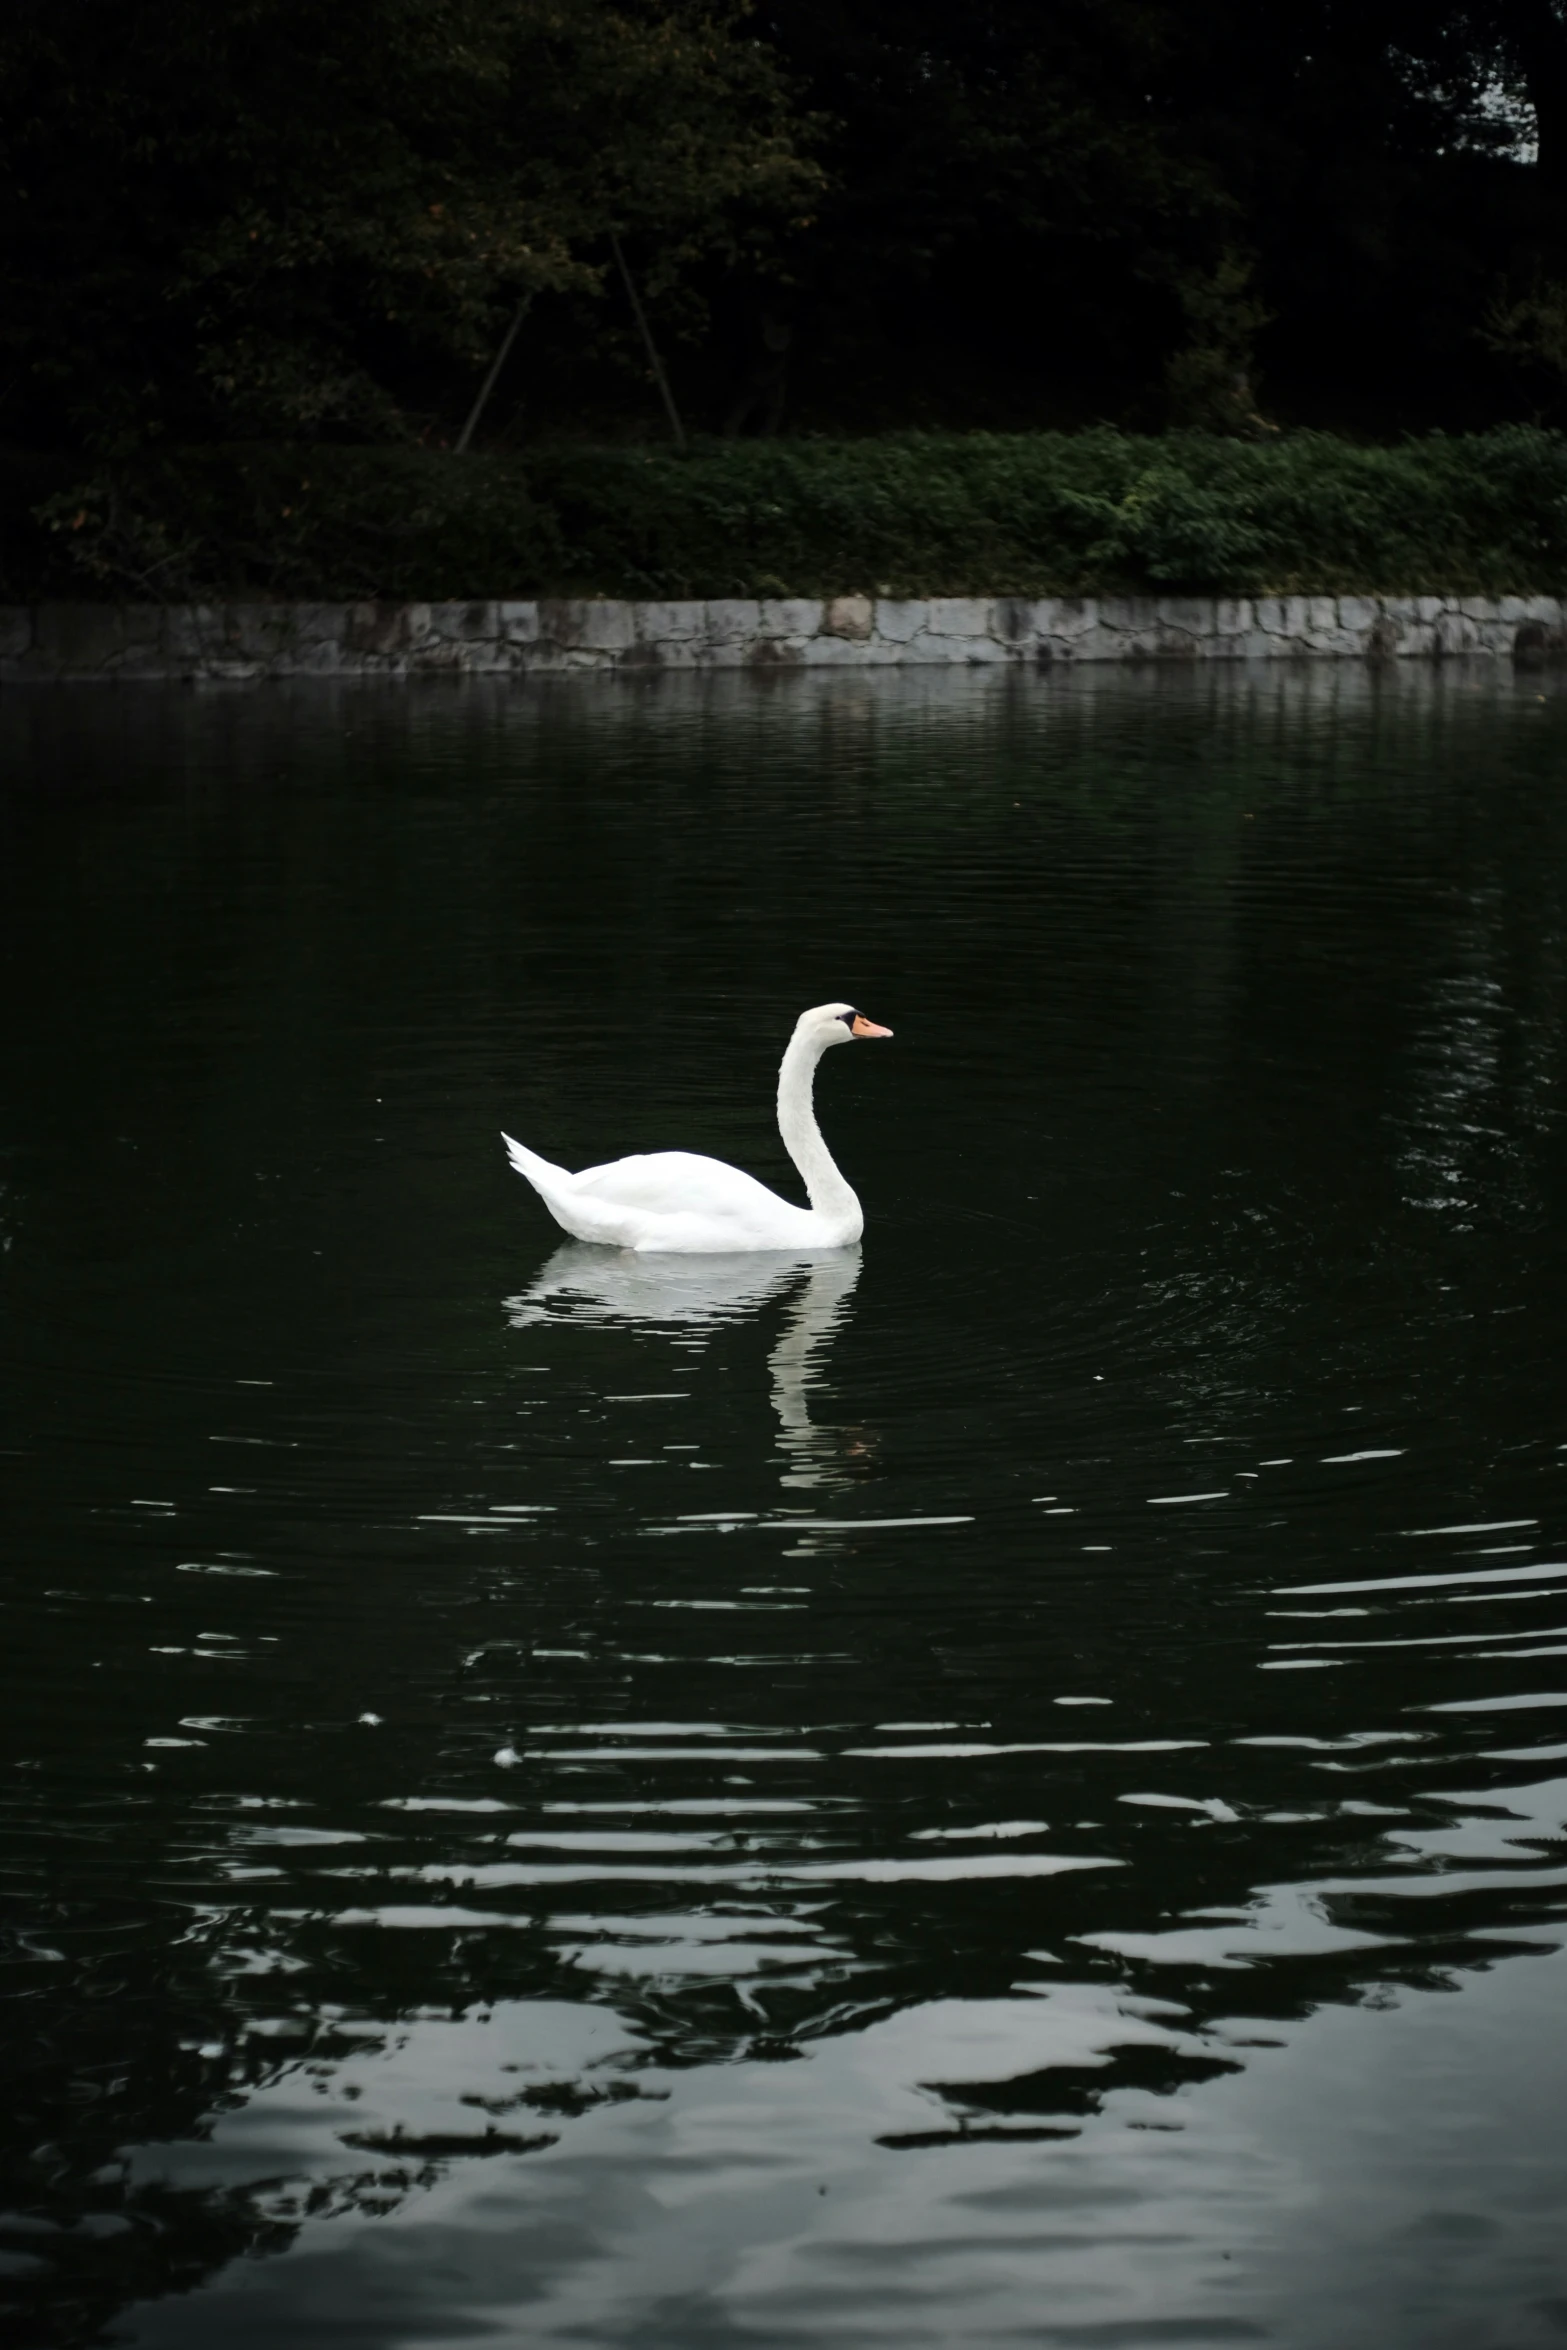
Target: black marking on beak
[[848, 1019]]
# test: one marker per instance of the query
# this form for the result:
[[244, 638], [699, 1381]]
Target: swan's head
[[829, 1024]]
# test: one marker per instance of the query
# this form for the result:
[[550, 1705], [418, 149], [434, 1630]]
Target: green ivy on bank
[[909, 514]]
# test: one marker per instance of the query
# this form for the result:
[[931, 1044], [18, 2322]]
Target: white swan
[[677, 1200]]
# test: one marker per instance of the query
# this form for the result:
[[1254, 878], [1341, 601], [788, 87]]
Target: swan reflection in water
[[689, 1298]]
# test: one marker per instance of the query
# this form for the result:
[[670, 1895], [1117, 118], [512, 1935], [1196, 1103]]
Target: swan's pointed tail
[[545, 1179], [584, 1219]]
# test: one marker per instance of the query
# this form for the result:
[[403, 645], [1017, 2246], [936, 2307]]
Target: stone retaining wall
[[52, 643]]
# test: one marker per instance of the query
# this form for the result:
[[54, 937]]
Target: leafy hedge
[[911, 513]]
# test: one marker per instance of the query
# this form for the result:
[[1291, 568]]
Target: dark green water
[[1007, 1787]]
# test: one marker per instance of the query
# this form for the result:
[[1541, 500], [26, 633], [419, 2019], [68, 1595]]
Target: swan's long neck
[[826, 1189]]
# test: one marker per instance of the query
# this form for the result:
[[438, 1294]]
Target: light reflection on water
[[998, 1786]]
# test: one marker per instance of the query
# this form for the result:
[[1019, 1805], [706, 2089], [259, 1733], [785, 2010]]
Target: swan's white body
[[679, 1201]]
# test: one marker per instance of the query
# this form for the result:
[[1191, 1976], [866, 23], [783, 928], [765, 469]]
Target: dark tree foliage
[[1136, 208], [273, 220], [265, 216]]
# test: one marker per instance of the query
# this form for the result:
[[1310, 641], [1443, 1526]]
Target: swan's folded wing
[[675, 1183], [674, 1200]]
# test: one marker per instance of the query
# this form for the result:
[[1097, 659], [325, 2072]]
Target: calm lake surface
[[1005, 1786]]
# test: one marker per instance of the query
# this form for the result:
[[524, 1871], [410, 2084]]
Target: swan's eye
[[848, 1019]]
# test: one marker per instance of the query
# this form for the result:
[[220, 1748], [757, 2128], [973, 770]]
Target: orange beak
[[864, 1027]]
